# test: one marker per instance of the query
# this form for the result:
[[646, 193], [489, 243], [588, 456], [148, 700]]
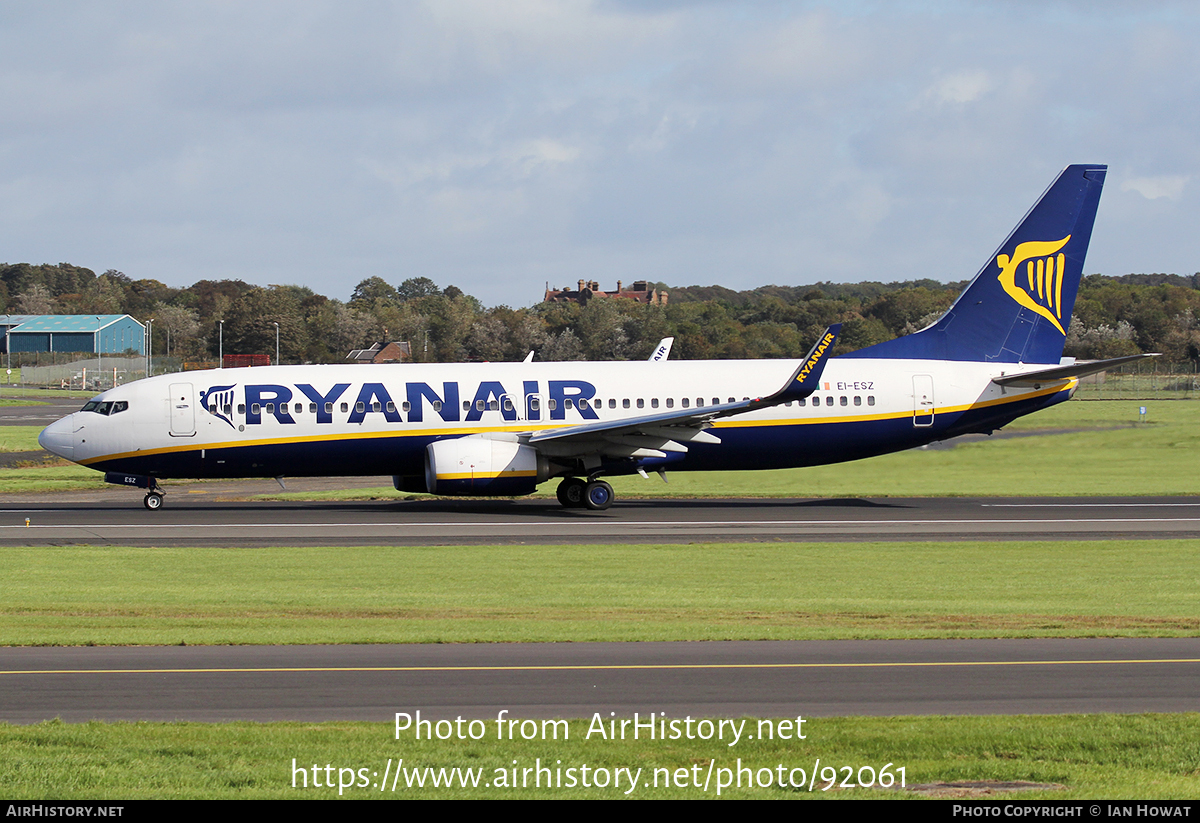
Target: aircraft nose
[[59, 438]]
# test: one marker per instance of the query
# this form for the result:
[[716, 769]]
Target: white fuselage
[[377, 419]]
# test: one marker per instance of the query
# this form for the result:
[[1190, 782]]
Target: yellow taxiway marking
[[607, 667]]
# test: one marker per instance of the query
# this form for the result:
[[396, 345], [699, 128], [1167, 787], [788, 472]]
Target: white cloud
[[1152, 188], [689, 142], [961, 87]]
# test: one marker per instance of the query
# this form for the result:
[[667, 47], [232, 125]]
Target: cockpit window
[[105, 407]]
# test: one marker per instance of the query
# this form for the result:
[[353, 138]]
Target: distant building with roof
[[87, 333], [640, 290], [395, 352]]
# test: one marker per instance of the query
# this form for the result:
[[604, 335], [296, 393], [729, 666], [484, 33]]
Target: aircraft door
[[183, 410], [922, 400]]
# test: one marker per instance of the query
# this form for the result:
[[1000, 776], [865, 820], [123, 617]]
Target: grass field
[[19, 438], [1110, 757], [719, 591]]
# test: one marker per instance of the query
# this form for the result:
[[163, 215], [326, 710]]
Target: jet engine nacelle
[[482, 466]]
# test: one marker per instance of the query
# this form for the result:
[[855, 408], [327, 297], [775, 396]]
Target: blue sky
[[500, 145]]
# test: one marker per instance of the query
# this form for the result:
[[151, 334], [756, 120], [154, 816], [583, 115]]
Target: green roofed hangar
[[89, 333]]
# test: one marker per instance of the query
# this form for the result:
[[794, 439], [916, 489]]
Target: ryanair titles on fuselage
[[418, 401]]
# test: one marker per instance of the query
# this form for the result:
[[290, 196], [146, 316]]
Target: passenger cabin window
[[612, 402], [829, 400], [360, 407], [255, 408], [329, 408], [870, 400], [345, 408], [641, 403], [857, 400], [299, 408], [626, 404], [654, 402], [844, 400], [312, 408]]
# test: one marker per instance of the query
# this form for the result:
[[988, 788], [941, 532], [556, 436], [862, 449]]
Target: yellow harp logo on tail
[[1040, 289]]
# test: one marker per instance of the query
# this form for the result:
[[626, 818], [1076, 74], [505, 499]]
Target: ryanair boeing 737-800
[[503, 428]]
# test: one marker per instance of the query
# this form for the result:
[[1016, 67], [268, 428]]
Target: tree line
[[1114, 316]]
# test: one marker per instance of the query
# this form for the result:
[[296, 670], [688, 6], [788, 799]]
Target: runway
[[729, 679], [42, 412], [191, 520], [764, 679]]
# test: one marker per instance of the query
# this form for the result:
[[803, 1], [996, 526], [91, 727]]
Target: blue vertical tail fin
[[1018, 307]]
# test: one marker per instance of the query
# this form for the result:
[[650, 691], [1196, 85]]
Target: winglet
[[807, 378], [662, 350]]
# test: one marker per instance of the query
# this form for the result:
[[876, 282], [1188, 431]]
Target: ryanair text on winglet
[[825, 343]]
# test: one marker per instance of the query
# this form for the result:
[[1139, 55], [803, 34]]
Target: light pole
[[99, 354], [150, 348], [276, 343], [221, 345]]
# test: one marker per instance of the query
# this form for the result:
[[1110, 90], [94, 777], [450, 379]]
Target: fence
[[1143, 380], [93, 373]]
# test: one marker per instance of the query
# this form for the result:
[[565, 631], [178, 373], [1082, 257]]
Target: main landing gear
[[574, 493]]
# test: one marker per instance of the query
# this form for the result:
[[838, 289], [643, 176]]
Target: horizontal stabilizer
[[1036, 379]]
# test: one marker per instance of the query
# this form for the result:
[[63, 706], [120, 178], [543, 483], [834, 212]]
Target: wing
[[654, 435]]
